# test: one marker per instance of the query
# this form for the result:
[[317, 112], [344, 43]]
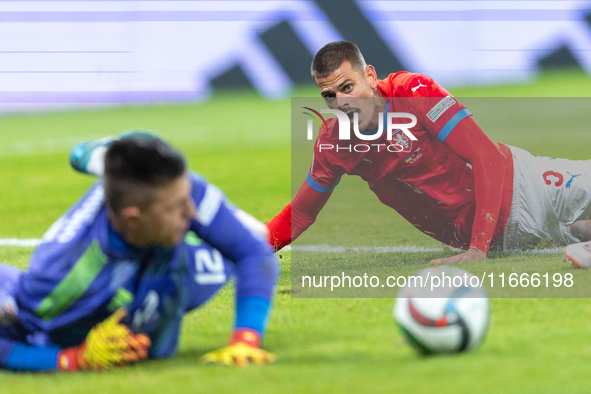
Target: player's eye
[[348, 88], [176, 205], [329, 99]]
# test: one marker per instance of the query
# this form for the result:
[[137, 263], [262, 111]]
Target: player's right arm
[[298, 215], [255, 269], [109, 344], [324, 175]]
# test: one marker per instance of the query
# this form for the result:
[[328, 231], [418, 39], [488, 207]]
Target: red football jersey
[[426, 182]]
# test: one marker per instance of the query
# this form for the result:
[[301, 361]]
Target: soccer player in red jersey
[[452, 183]]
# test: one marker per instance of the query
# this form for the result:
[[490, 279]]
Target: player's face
[[167, 219], [349, 90]]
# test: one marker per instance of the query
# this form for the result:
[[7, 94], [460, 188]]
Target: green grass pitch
[[242, 143]]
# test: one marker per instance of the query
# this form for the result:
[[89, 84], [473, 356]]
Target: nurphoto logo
[[398, 134]]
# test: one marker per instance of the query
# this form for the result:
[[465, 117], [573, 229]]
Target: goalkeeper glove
[[242, 349], [109, 343]]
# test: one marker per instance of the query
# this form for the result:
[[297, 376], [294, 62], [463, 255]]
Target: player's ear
[[130, 216], [372, 76]]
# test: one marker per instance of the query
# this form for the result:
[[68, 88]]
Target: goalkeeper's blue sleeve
[[22, 357], [255, 265], [252, 312]]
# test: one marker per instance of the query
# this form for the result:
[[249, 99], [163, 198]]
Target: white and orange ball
[[446, 318]]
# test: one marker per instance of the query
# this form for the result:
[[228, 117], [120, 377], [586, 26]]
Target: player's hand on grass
[[470, 255], [242, 350], [239, 354], [109, 344]]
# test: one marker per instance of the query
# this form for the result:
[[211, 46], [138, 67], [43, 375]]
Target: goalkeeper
[[143, 238]]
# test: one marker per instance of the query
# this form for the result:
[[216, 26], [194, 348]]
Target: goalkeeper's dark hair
[[135, 168], [332, 55]]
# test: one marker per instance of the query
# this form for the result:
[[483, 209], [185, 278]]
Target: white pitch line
[[321, 248], [39, 146], [376, 249], [55, 145], [19, 242], [399, 249]]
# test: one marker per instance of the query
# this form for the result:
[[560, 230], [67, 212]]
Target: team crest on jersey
[[401, 139]]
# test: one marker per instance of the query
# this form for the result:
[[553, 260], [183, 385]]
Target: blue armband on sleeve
[[452, 123], [319, 188]]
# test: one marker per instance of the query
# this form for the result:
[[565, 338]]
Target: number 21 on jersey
[[209, 266]]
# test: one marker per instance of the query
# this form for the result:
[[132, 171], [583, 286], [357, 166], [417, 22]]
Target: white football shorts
[[548, 196]]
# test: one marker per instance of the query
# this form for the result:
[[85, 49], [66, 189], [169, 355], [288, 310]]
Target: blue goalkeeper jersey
[[83, 271]]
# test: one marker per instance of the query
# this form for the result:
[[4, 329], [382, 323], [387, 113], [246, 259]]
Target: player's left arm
[[471, 144], [256, 272], [453, 125]]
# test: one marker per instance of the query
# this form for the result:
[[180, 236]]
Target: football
[[442, 312]]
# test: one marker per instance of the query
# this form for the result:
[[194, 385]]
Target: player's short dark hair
[[332, 55], [135, 168]]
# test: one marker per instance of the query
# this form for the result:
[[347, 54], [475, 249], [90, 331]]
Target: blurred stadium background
[[90, 53]]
